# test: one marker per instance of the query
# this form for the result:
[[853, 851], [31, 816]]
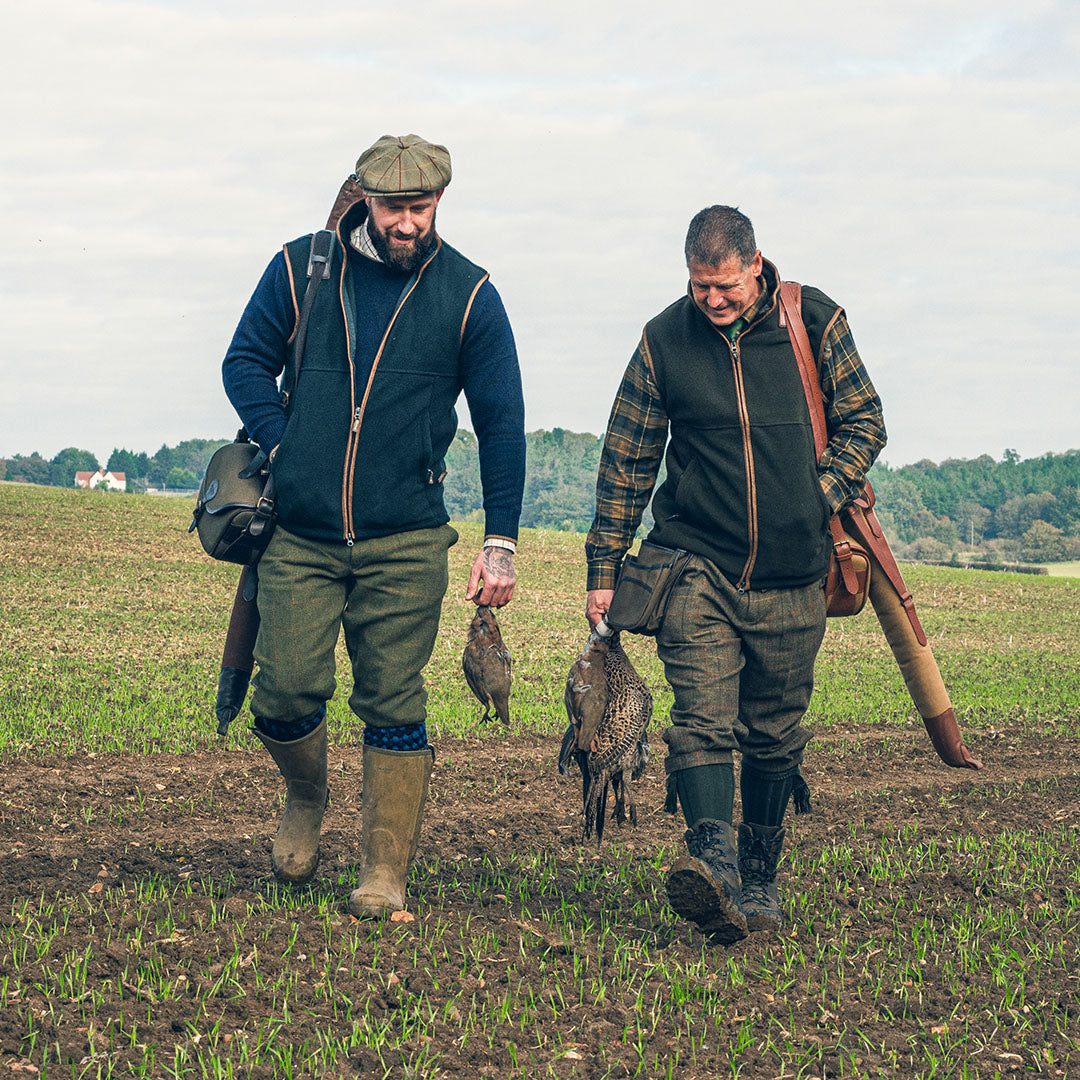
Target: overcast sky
[[919, 162]]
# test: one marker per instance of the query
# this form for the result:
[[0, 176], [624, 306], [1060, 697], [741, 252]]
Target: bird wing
[[566, 751], [497, 682], [474, 676]]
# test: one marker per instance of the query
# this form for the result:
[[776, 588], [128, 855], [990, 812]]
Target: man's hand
[[597, 602], [495, 567]]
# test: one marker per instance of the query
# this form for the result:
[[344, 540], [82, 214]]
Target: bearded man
[[402, 324]]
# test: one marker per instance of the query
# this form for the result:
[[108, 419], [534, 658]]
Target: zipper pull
[[356, 420]]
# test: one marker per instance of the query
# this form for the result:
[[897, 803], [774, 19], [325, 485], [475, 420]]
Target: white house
[[113, 481]]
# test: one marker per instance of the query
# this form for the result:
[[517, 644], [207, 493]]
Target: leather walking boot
[[759, 855], [295, 854], [395, 790], [703, 885]]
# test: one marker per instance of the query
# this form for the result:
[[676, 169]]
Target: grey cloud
[[917, 162]]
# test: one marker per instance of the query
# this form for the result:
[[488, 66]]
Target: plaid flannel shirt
[[638, 428]]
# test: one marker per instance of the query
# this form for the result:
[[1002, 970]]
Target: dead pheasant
[[486, 663], [609, 706]]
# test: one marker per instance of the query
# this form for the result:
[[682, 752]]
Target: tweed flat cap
[[403, 165]]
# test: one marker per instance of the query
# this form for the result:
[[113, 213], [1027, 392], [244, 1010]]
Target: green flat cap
[[403, 165]]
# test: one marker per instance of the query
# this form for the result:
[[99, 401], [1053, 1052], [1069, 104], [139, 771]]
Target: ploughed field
[[931, 914]]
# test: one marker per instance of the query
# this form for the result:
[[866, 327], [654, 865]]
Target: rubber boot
[[759, 855], [302, 762], [703, 885], [395, 790]]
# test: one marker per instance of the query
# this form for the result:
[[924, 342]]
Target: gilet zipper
[[748, 458], [358, 411]]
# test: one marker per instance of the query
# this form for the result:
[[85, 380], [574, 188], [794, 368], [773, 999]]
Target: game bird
[[609, 706], [486, 663]]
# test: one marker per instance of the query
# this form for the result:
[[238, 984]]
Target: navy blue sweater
[[490, 375]]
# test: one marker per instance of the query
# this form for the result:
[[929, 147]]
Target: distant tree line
[[560, 480], [969, 510], [983, 510], [978, 510], [175, 468]]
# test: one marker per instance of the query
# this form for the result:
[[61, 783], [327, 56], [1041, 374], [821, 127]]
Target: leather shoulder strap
[[318, 270], [790, 299], [860, 518]]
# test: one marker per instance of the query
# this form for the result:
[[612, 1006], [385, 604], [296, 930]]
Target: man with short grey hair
[[402, 325], [746, 495]]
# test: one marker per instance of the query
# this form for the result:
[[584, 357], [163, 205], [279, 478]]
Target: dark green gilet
[[742, 485], [337, 483]]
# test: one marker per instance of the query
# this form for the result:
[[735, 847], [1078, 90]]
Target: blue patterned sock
[[406, 737], [289, 730]]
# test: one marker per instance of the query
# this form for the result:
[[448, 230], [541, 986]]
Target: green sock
[[765, 795], [706, 791]]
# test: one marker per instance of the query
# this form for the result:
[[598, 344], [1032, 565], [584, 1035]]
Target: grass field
[[931, 915]]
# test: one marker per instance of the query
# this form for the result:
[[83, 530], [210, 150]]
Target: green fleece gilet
[[339, 481], [742, 484]]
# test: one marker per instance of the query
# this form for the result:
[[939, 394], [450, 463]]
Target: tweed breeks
[[741, 666], [385, 593]]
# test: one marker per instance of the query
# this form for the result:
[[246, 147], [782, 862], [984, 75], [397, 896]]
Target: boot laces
[[706, 842], [754, 864]]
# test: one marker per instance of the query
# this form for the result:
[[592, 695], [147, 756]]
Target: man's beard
[[398, 258]]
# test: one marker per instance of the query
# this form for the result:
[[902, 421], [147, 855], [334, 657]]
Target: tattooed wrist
[[499, 562]]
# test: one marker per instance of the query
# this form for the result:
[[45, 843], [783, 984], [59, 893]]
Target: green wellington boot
[[703, 885], [302, 762], [759, 855], [395, 790]]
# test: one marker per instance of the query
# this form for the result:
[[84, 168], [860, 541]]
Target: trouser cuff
[[677, 762]]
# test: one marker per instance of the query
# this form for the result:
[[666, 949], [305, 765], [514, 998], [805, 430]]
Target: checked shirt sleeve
[[852, 417], [629, 463]]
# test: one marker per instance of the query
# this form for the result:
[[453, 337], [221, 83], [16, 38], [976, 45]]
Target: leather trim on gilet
[[742, 484], [337, 480]]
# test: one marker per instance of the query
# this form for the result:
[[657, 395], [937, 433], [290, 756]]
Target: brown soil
[[209, 815]]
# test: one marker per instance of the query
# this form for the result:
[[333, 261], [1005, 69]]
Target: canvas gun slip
[[238, 657]]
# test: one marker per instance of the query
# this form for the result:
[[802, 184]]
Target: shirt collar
[[360, 239], [766, 298]]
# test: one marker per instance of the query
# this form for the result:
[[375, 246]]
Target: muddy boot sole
[[695, 894]]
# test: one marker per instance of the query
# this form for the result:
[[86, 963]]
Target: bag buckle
[[321, 244]]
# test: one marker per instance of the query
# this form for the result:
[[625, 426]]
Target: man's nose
[[406, 224], [716, 298]]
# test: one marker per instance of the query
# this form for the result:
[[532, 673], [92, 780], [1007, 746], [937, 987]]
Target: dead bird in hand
[[609, 706], [486, 663]]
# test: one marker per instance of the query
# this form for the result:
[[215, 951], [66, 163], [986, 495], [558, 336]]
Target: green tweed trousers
[[385, 594], [741, 666]]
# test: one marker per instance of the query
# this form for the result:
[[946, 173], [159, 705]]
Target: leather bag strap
[[791, 317], [318, 270], [861, 519]]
